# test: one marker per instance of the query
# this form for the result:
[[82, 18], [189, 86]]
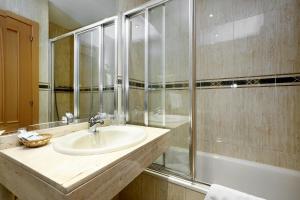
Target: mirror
[[77, 72]]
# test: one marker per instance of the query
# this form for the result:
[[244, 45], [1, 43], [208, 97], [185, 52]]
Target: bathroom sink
[[105, 140]]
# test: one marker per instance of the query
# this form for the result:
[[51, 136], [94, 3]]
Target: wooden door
[[17, 87], [2, 22]]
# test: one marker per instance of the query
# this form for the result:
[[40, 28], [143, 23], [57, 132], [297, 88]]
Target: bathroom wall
[[125, 5], [248, 82], [146, 187], [56, 30], [36, 10]]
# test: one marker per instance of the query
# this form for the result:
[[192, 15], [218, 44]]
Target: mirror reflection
[[53, 64]]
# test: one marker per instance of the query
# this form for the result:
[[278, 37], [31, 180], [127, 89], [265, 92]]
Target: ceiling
[[72, 14]]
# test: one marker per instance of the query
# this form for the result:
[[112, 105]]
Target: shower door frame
[[144, 9], [100, 25]]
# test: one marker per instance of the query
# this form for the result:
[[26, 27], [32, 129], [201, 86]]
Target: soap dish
[[37, 143]]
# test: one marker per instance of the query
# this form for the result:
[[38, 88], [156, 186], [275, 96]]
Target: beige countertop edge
[[65, 190]]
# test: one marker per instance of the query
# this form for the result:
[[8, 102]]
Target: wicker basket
[[37, 143]]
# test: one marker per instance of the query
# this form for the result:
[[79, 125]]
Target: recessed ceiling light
[[210, 15]]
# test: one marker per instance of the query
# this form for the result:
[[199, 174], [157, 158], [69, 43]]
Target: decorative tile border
[[44, 85], [63, 89], [263, 81], [83, 89], [283, 80]]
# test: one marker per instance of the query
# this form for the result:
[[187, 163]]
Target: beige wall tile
[[148, 187], [259, 124], [192, 195], [132, 191], [125, 5], [237, 38], [5, 194], [175, 192], [44, 105]]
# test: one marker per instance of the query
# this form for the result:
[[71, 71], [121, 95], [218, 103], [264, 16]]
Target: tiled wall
[[148, 187], [246, 107], [125, 5]]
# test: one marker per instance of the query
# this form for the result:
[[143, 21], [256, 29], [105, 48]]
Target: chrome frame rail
[[76, 77], [192, 88], [101, 65], [51, 80], [189, 184], [146, 68]]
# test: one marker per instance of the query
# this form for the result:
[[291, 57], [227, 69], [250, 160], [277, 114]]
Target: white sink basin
[[106, 140]]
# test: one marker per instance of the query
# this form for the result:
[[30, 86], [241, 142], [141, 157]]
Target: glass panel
[[63, 77], [88, 59], [108, 69], [156, 95], [156, 71], [136, 69], [177, 83]]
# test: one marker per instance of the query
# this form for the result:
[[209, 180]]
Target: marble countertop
[[67, 172]]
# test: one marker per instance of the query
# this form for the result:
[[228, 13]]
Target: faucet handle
[[68, 118], [69, 115], [102, 115]]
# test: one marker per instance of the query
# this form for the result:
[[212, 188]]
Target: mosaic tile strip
[[227, 83]]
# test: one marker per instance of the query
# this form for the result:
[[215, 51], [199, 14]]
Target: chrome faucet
[[95, 121], [68, 118]]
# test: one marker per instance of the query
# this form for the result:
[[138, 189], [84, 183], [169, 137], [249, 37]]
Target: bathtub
[[270, 182]]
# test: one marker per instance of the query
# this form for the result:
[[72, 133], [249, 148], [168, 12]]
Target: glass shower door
[[108, 71], [158, 72], [136, 69], [88, 44], [177, 76], [63, 77]]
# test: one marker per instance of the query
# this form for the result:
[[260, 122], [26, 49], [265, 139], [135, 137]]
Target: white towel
[[218, 192]]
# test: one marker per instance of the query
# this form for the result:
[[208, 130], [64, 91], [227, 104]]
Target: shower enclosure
[[244, 88], [84, 71], [158, 71]]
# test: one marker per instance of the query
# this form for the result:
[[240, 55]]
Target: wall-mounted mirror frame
[[100, 26]]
